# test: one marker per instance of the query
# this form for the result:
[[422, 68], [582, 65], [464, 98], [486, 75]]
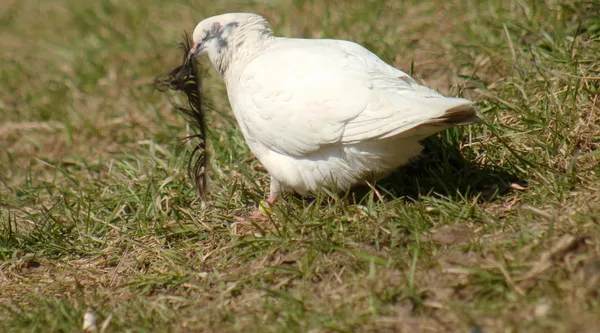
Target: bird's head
[[221, 36]]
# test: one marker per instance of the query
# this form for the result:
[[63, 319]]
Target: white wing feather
[[302, 94]]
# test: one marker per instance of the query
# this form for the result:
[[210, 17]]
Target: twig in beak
[[193, 51], [185, 78]]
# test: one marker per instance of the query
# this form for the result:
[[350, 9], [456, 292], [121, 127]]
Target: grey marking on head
[[222, 42]]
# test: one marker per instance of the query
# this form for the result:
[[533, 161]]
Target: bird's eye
[[215, 27]]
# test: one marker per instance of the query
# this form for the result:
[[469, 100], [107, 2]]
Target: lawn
[[496, 228]]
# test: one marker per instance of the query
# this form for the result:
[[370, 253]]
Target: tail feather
[[456, 115], [459, 115]]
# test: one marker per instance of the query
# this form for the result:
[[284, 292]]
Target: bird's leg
[[274, 193], [272, 199], [259, 216]]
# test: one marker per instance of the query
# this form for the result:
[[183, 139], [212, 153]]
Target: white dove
[[321, 112]]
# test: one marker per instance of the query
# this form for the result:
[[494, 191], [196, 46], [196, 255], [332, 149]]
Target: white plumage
[[319, 112]]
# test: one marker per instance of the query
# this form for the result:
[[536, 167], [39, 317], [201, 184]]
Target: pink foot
[[259, 217]]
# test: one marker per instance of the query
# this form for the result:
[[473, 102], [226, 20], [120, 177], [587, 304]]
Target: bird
[[321, 113]]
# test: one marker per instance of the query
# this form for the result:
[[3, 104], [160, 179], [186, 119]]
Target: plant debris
[[185, 78]]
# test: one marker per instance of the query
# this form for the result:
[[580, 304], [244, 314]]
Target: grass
[[495, 229]]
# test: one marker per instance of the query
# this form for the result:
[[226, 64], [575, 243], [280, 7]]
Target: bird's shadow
[[443, 170]]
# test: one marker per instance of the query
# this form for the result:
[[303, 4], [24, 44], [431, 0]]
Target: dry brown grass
[[496, 229]]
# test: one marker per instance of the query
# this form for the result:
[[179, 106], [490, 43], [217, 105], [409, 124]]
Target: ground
[[495, 229]]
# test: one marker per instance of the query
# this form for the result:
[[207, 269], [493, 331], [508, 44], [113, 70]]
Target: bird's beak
[[194, 51]]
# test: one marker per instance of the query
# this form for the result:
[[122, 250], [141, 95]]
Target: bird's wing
[[398, 108], [302, 95]]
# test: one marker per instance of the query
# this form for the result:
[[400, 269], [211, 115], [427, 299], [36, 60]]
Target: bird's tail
[[459, 111], [459, 115]]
